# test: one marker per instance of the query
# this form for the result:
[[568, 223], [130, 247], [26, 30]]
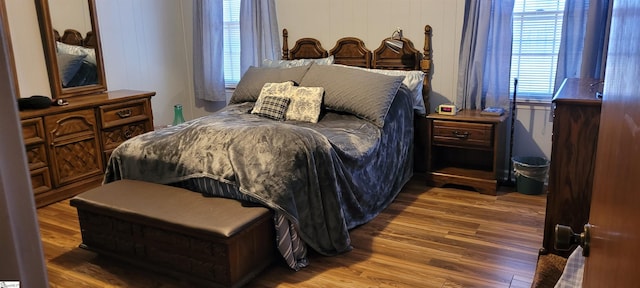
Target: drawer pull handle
[[128, 134], [461, 135], [124, 113]]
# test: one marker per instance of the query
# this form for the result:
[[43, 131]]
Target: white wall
[[27, 48], [533, 130], [144, 49], [374, 20], [60, 11]]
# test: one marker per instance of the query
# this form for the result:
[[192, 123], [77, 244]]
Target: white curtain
[[585, 32], [485, 54], [208, 57], [259, 36]]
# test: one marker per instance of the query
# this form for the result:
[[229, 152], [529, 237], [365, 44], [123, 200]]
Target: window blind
[[231, 26], [537, 29]]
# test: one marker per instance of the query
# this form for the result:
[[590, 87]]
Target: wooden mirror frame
[[49, 45]]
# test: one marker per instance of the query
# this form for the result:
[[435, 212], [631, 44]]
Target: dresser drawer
[[34, 140], [124, 113], [462, 134], [40, 180], [36, 156], [33, 131], [112, 137]]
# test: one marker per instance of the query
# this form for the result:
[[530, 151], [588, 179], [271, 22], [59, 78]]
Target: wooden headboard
[[352, 51], [73, 37]]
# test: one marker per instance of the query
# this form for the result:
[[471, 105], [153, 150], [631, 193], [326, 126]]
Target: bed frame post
[[285, 45], [425, 65]]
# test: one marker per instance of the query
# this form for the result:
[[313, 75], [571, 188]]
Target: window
[[537, 28], [231, 26]]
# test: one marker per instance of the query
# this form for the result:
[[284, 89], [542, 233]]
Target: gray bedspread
[[326, 178]]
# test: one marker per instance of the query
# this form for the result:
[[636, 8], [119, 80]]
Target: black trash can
[[530, 172]]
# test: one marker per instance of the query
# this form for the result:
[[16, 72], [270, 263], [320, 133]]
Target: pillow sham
[[272, 89], [413, 79], [273, 107], [250, 85], [306, 104], [296, 62], [77, 50], [68, 66], [365, 94]]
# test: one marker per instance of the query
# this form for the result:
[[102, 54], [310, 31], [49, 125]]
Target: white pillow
[[296, 62], [413, 79], [272, 89], [305, 105], [90, 53]]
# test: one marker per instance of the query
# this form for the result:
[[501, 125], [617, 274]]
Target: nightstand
[[466, 149]]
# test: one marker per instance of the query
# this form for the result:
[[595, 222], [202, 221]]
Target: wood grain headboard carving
[[73, 37], [351, 51]]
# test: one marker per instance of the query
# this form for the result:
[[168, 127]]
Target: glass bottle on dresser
[[178, 118]]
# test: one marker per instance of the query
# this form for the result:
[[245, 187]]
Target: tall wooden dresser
[[68, 146], [576, 120]]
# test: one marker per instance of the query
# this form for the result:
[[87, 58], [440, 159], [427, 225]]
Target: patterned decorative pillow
[[273, 107], [272, 89], [306, 104]]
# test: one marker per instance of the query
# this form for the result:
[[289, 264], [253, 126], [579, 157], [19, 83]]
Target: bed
[[76, 58], [324, 165]]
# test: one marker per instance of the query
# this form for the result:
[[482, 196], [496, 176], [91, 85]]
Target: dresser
[[466, 149], [68, 146], [576, 120]]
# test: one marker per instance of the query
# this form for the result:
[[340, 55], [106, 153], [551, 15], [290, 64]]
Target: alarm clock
[[447, 109]]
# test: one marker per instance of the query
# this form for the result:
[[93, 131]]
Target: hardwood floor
[[428, 237]]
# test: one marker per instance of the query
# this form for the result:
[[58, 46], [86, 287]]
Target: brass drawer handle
[[124, 113], [461, 135]]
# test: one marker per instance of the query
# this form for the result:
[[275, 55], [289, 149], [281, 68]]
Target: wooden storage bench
[[211, 241]]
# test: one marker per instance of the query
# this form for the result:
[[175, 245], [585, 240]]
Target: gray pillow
[[365, 94], [68, 66], [248, 89]]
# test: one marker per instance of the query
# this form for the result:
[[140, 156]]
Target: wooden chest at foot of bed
[[212, 241]]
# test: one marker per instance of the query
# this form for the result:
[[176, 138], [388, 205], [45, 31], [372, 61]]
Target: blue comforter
[[326, 178]]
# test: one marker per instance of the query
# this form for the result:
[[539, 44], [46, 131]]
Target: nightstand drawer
[[124, 113], [462, 134]]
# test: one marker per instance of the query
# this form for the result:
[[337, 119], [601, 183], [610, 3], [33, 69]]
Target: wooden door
[[615, 204]]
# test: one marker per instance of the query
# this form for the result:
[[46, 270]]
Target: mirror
[[72, 49]]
